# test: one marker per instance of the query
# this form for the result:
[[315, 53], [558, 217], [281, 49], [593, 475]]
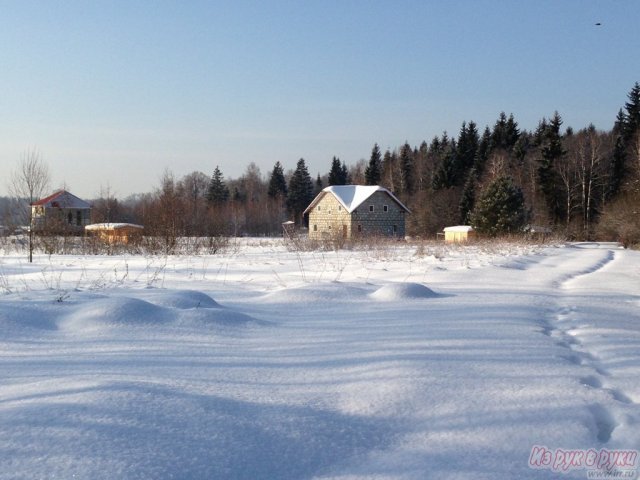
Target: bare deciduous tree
[[29, 181]]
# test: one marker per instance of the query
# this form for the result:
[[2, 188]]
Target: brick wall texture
[[329, 219]]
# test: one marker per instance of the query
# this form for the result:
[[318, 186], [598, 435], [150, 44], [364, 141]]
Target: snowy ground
[[269, 364]]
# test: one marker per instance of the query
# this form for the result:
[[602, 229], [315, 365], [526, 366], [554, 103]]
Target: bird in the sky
[[598, 24]]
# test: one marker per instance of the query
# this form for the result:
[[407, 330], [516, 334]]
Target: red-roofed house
[[351, 211], [62, 211]]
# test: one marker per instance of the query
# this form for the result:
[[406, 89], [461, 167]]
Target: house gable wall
[[329, 219]]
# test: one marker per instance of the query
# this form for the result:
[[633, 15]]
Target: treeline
[[581, 183]]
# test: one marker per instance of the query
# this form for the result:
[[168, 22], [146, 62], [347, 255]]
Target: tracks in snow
[[564, 324]]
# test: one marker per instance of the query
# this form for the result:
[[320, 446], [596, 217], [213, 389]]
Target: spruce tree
[[300, 191], [512, 133], [406, 170], [548, 178], [277, 183], [632, 116], [217, 193], [467, 202], [344, 171], [373, 172], [467, 147], [319, 185], [482, 153], [505, 133], [336, 175], [446, 174], [501, 208]]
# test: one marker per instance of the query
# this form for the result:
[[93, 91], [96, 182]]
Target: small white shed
[[459, 233]]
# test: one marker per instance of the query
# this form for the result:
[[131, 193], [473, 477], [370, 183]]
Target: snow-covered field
[[268, 364]]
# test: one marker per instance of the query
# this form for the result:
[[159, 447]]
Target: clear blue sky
[[114, 92]]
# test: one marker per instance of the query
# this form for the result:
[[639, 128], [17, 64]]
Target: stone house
[[60, 212], [351, 211]]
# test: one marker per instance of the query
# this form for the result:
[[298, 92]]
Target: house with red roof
[[60, 212], [351, 211]]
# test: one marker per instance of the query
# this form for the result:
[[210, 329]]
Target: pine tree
[[482, 153], [373, 172], [300, 191], [501, 208], [406, 170], [277, 183], [632, 116], [217, 193], [344, 171], [552, 153], [319, 185], [336, 175], [445, 176], [512, 133], [467, 202], [505, 133], [467, 147]]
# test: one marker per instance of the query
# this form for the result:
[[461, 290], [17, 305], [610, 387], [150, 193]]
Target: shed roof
[[112, 226], [62, 199], [352, 196], [459, 228]]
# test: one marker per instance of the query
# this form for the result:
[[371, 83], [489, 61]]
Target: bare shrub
[[620, 221]]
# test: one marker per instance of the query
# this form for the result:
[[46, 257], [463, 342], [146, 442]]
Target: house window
[[371, 209], [395, 229], [385, 208], [319, 208], [78, 218], [359, 228], [70, 218], [339, 208], [315, 228]]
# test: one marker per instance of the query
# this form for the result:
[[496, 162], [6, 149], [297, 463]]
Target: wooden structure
[[459, 234], [288, 229], [352, 211], [116, 233], [61, 212]]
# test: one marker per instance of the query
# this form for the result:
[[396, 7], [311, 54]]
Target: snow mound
[[114, 312], [161, 309], [402, 291], [326, 292], [180, 299]]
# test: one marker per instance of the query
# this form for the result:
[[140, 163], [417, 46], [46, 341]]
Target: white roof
[[111, 226], [459, 228], [352, 196]]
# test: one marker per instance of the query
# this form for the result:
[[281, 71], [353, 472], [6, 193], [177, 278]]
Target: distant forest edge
[[582, 184]]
